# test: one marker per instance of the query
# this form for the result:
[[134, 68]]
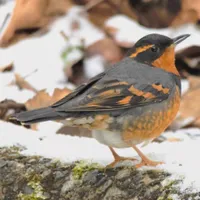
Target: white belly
[[112, 139]]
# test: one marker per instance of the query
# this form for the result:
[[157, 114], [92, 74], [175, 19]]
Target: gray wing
[[127, 84]]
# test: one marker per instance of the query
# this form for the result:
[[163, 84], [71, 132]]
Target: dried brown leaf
[[102, 11], [194, 82], [9, 107], [189, 113], [76, 73], [173, 139], [31, 16], [164, 11], [22, 83], [43, 99], [145, 12], [59, 94], [107, 48], [7, 68], [188, 61], [190, 13], [75, 131]]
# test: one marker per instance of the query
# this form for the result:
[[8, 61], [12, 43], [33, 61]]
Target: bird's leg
[[118, 158], [145, 161]]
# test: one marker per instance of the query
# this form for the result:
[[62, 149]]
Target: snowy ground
[[43, 54]]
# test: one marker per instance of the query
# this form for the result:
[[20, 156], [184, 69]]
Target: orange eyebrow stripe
[[137, 92], [140, 49], [125, 101], [160, 88]]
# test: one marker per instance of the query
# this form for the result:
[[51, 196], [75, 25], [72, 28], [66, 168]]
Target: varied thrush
[[132, 102]]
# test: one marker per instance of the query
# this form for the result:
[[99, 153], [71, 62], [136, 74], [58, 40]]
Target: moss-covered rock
[[37, 178], [83, 166]]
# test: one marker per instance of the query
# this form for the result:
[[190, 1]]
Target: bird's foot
[[145, 161], [120, 159], [148, 162]]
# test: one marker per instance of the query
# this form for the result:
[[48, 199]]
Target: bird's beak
[[180, 38]]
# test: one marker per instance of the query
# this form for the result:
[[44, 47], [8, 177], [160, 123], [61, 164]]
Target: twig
[[92, 4], [4, 22], [64, 35], [11, 104], [26, 76]]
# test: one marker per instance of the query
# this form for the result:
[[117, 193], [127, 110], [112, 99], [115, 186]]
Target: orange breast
[[153, 123]]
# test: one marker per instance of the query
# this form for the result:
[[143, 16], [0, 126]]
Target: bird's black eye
[[154, 49]]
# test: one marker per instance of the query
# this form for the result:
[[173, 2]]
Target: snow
[[179, 157], [43, 54], [95, 65]]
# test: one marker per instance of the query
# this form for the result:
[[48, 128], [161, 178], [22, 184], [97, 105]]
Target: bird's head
[[157, 50]]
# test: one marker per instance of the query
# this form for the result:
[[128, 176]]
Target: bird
[[131, 102]]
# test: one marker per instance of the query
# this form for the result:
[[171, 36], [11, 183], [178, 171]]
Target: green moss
[[165, 198], [34, 183], [82, 167], [37, 194], [170, 187], [16, 149], [56, 162], [171, 184]]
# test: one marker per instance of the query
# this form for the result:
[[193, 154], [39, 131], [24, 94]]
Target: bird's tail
[[38, 115]]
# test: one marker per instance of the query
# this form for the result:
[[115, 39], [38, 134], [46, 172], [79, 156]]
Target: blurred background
[[49, 47]]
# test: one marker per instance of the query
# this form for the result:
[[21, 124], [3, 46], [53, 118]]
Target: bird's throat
[[167, 61]]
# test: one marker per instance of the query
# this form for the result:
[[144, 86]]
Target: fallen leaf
[[194, 82], [7, 68], [143, 11], [75, 131], [106, 48], [59, 94], [22, 83], [9, 107], [190, 13], [189, 113], [190, 52], [31, 16], [164, 11], [113, 32], [101, 10], [81, 2], [76, 74], [188, 61], [160, 139], [196, 123], [43, 99], [173, 139]]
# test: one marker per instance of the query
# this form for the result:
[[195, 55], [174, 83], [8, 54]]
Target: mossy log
[[37, 178]]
